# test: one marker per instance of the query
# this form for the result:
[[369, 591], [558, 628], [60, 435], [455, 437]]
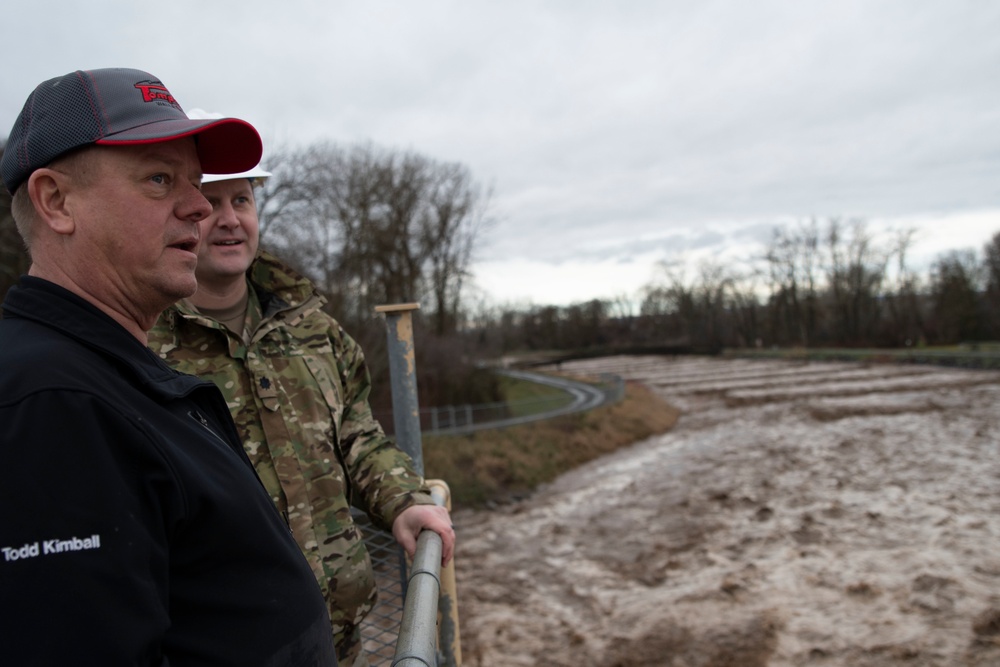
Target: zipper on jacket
[[198, 417]]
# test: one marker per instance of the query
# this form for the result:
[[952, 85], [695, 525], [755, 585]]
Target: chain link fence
[[381, 627]]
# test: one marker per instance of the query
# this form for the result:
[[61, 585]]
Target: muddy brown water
[[799, 514]]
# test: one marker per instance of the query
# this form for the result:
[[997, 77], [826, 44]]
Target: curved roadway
[[585, 397]]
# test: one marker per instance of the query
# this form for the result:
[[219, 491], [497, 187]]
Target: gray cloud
[[606, 129]]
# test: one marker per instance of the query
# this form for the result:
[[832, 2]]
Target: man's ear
[[48, 190]]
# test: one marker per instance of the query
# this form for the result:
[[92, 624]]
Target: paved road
[[585, 397]]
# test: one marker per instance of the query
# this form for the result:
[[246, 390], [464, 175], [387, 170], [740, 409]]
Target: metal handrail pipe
[[416, 644]]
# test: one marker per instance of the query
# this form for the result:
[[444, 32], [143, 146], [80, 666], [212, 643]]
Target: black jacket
[[134, 530]]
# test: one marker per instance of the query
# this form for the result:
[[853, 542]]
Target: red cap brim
[[225, 145]]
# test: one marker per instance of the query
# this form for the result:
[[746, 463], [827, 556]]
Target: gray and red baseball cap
[[117, 107]]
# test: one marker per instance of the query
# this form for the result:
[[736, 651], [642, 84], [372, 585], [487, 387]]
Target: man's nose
[[194, 206], [226, 216]]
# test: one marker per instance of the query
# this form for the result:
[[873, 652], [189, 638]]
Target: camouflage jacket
[[299, 395]]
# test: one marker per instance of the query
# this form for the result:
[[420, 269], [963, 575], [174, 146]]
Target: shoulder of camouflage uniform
[[275, 276]]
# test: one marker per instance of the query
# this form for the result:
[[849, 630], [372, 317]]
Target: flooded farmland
[[828, 514]]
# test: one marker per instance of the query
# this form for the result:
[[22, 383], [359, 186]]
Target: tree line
[[817, 284]]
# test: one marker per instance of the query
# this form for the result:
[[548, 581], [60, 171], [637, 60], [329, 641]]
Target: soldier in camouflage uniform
[[297, 386]]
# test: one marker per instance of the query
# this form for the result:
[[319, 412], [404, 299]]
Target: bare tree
[[298, 217], [454, 218], [668, 307], [855, 274], [621, 307], [699, 312], [991, 269], [711, 326], [745, 309], [904, 320], [954, 294], [375, 226], [792, 259]]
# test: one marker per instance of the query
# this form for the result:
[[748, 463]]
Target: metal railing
[[417, 642], [428, 628], [400, 627], [421, 610]]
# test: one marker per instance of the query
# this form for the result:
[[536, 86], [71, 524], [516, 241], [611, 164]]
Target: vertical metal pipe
[[403, 377], [449, 640]]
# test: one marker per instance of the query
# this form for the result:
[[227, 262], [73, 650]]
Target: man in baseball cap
[[135, 530]]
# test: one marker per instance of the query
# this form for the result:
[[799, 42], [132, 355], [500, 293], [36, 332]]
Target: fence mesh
[[381, 627]]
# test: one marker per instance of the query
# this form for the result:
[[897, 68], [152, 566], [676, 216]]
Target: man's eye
[[160, 179]]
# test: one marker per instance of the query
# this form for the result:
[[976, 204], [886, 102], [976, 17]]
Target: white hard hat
[[257, 175]]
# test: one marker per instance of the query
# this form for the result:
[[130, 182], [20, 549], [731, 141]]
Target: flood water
[[799, 514]]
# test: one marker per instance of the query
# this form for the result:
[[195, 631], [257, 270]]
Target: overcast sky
[[613, 134]]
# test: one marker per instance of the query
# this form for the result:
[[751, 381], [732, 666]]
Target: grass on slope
[[497, 464], [525, 398]]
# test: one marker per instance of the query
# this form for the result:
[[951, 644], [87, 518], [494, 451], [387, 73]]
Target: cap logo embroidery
[[154, 91]]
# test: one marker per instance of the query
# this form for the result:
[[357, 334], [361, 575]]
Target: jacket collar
[[57, 308], [279, 288], [281, 280]]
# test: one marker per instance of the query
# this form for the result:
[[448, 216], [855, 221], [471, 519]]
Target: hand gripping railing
[[431, 595]]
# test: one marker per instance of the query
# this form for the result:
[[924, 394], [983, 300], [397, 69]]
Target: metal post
[[403, 376]]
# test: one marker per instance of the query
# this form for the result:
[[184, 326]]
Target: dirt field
[[800, 514]]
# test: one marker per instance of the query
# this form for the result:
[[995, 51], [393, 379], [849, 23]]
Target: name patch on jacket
[[47, 547]]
